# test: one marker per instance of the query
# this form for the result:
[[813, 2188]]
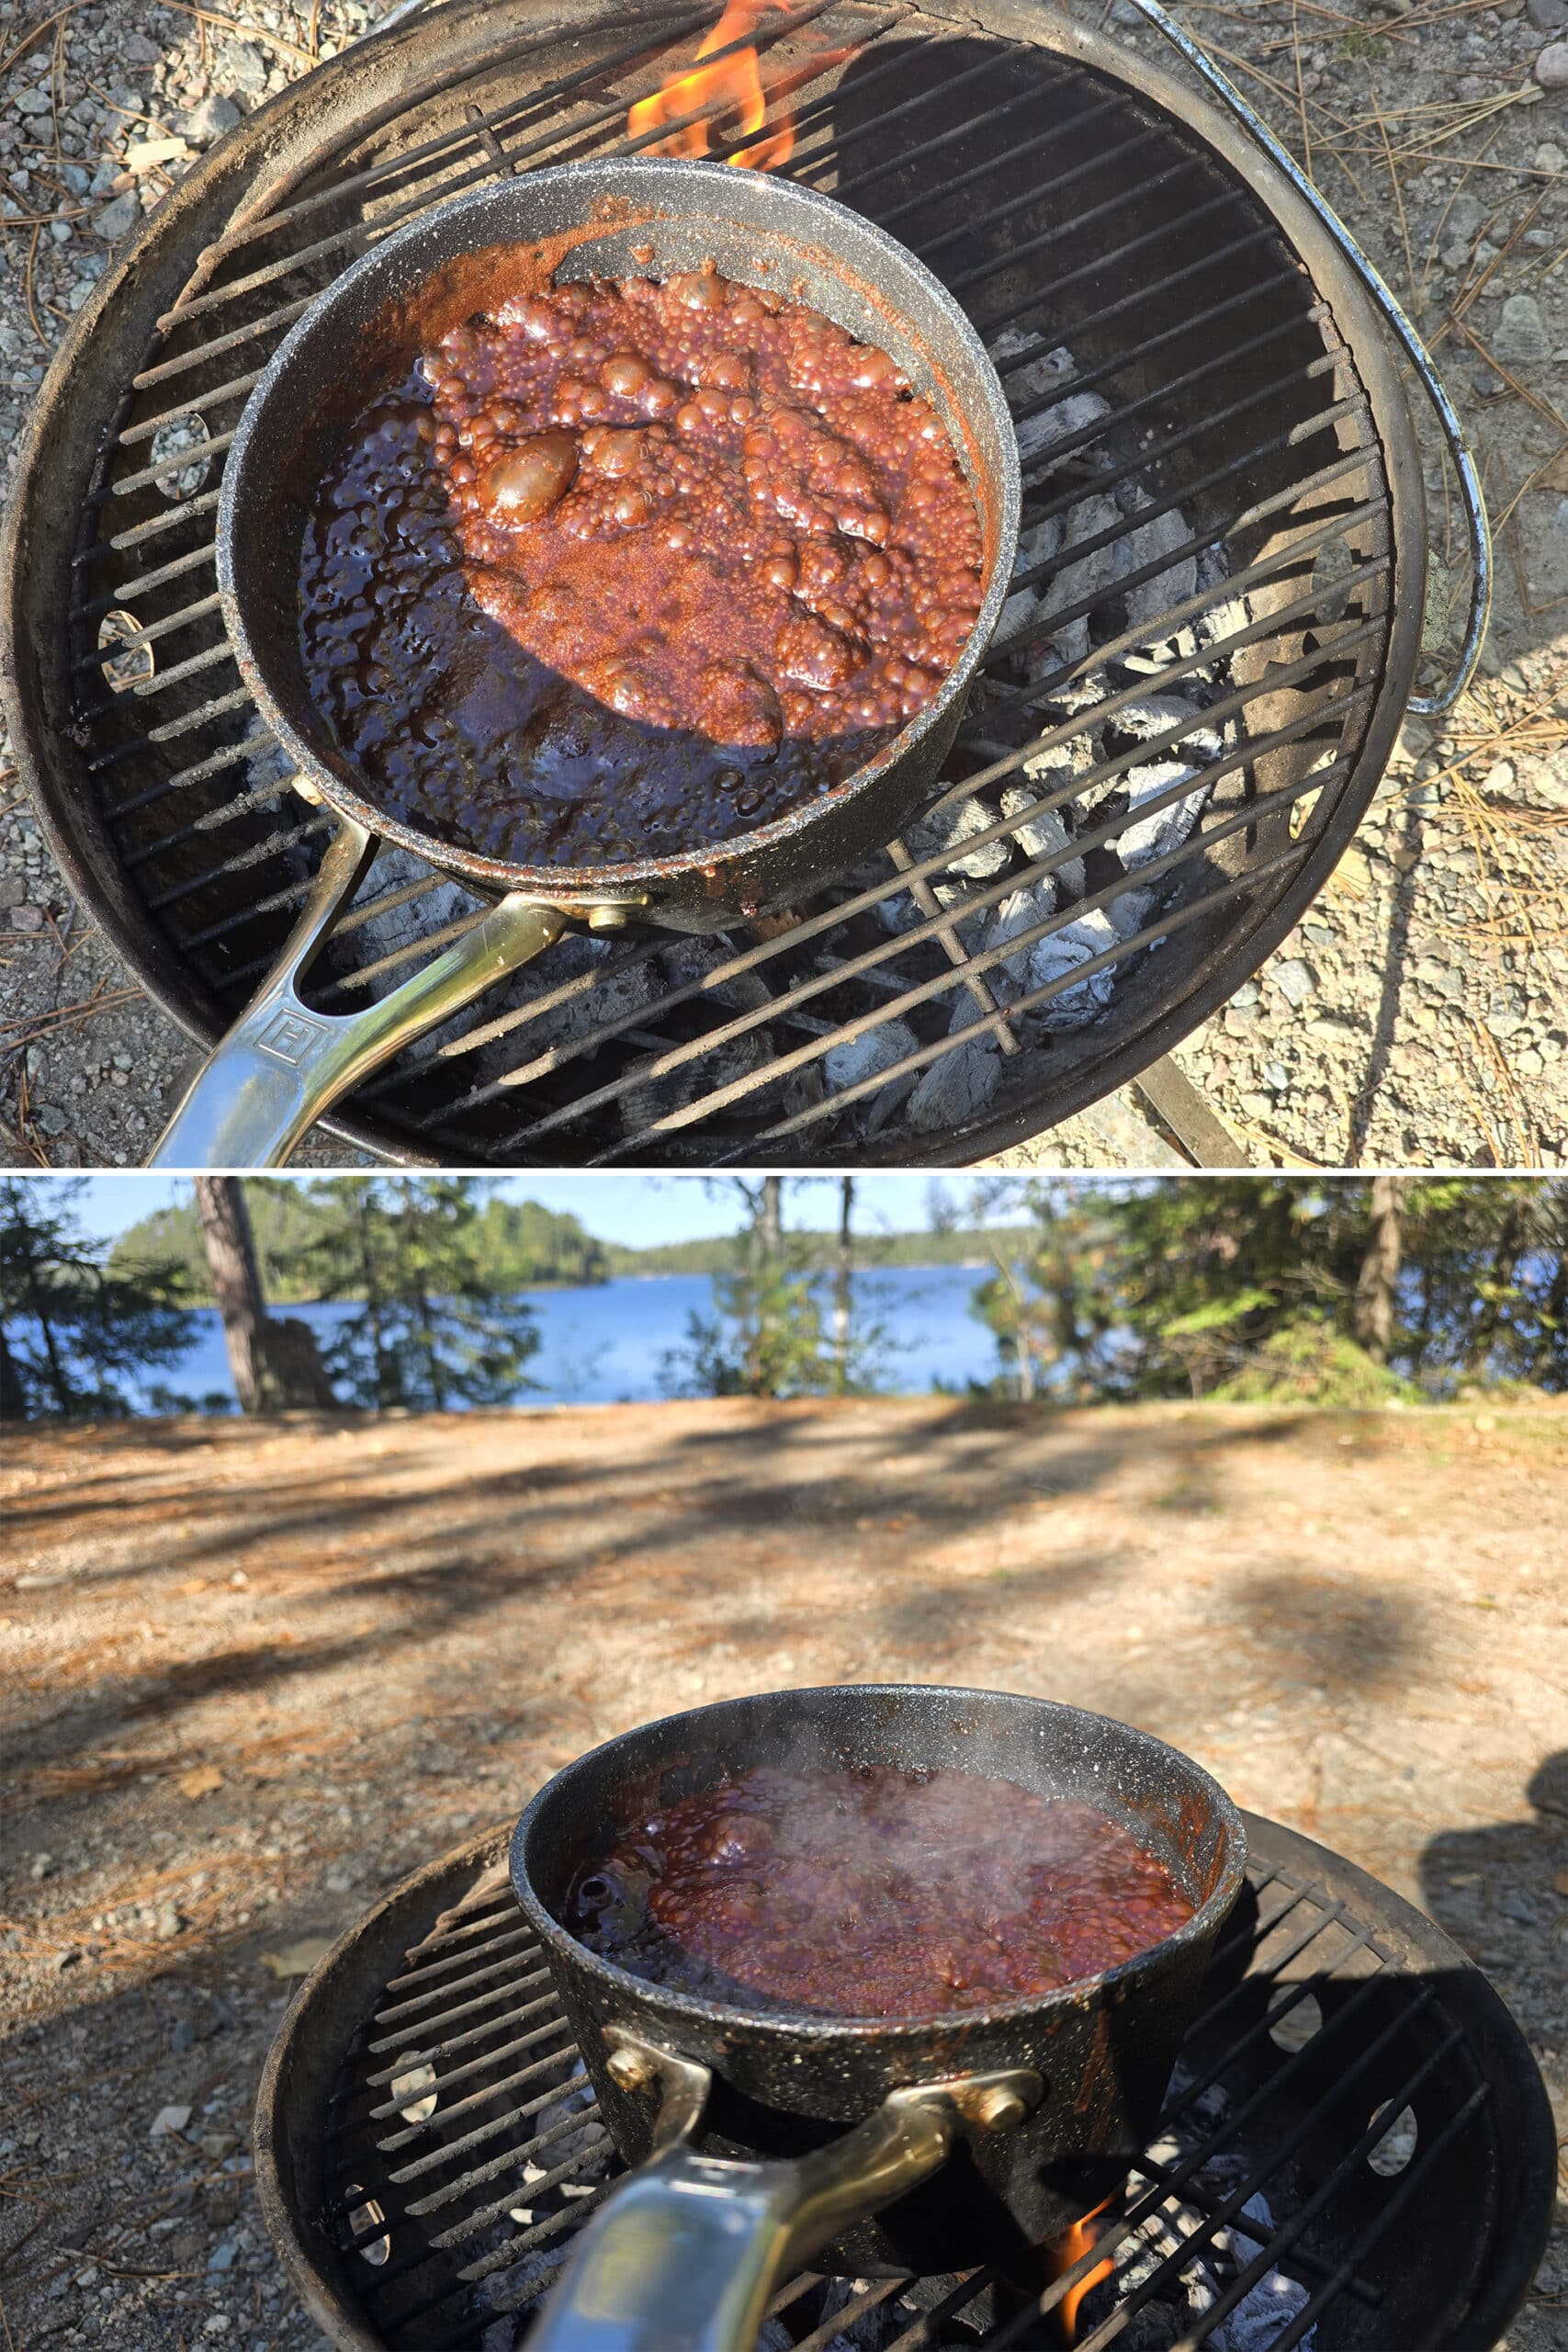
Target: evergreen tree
[[72, 1332], [1322, 1290], [303, 1242], [432, 1327], [768, 1336]]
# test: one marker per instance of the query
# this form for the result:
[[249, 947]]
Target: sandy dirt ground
[[254, 1674], [1419, 1012]]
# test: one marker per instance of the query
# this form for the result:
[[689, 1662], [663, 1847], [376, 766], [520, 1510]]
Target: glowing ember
[[1070, 2247], [734, 82]]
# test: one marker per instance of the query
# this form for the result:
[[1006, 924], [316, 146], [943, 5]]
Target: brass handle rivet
[[628, 2070], [998, 2110]]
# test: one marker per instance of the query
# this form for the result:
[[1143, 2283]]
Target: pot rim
[[998, 499], [1103, 1988]]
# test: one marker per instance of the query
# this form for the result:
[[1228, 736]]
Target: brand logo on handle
[[290, 1037]]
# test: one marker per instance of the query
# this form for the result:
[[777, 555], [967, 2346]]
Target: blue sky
[[640, 1211]]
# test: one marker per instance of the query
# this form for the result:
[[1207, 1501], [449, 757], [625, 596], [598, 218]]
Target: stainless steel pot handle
[[685, 2255], [1382, 294], [283, 1064]]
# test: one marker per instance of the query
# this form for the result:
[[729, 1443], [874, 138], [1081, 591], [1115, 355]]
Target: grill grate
[[1167, 745], [1346, 2128]]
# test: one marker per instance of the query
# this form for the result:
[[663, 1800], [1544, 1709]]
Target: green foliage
[[73, 1329], [432, 1328], [302, 1241], [1052, 1299], [287, 1221], [1248, 1284], [815, 1250], [768, 1334], [1306, 1361], [305, 1249], [522, 1245], [764, 1339]]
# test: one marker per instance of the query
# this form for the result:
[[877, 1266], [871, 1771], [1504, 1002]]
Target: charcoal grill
[[422, 2177], [1223, 510]]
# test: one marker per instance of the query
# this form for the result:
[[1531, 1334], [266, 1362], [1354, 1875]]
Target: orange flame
[[735, 81], [1062, 2252]]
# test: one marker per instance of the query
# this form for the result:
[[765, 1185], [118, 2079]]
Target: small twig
[[1300, 89], [1541, 407], [42, 26], [23, 1033], [206, 16], [27, 288], [1471, 293]]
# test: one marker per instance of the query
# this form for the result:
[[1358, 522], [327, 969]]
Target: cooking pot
[[763, 2138], [283, 1063]]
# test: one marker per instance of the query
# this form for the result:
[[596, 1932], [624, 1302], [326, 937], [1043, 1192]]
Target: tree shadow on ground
[[1500, 1891], [450, 1549]]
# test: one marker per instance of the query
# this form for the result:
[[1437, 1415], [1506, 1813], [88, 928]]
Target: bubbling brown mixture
[[873, 1893], [626, 569]]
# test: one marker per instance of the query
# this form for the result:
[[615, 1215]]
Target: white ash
[[1092, 577], [393, 929], [1143, 838], [1047, 372], [1043, 833], [268, 765], [855, 1059], [1074, 412], [957, 1087], [1191, 2288], [1036, 544], [1159, 537], [1153, 715], [687, 959], [1050, 372], [946, 828], [1053, 958]]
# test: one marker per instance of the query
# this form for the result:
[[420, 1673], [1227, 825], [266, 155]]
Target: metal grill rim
[[931, 932]]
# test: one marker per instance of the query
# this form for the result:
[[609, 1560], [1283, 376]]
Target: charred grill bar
[[1181, 717], [1355, 2135]]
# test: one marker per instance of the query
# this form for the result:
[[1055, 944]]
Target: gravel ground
[[1420, 1014], [254, 1673]]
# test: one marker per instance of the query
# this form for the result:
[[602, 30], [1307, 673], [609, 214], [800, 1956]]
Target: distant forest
[[304, 1246]]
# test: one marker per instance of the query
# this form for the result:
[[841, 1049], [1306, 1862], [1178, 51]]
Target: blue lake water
[[604, 1345]]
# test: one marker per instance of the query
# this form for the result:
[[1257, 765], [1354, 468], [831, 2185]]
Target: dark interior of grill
[[1207, 528], [1355, 2150]]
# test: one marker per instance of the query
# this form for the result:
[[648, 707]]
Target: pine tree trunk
[[772, 1217], [64, 1396], [843, 1281], [273, 1370], [1373, 1317], [13, 1395], [236, 1284]]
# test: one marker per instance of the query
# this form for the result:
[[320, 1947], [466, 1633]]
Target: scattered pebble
[[1521, 335], [117, 220]]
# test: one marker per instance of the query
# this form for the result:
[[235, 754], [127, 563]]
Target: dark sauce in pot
[[873, 1894], [626, 569]]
